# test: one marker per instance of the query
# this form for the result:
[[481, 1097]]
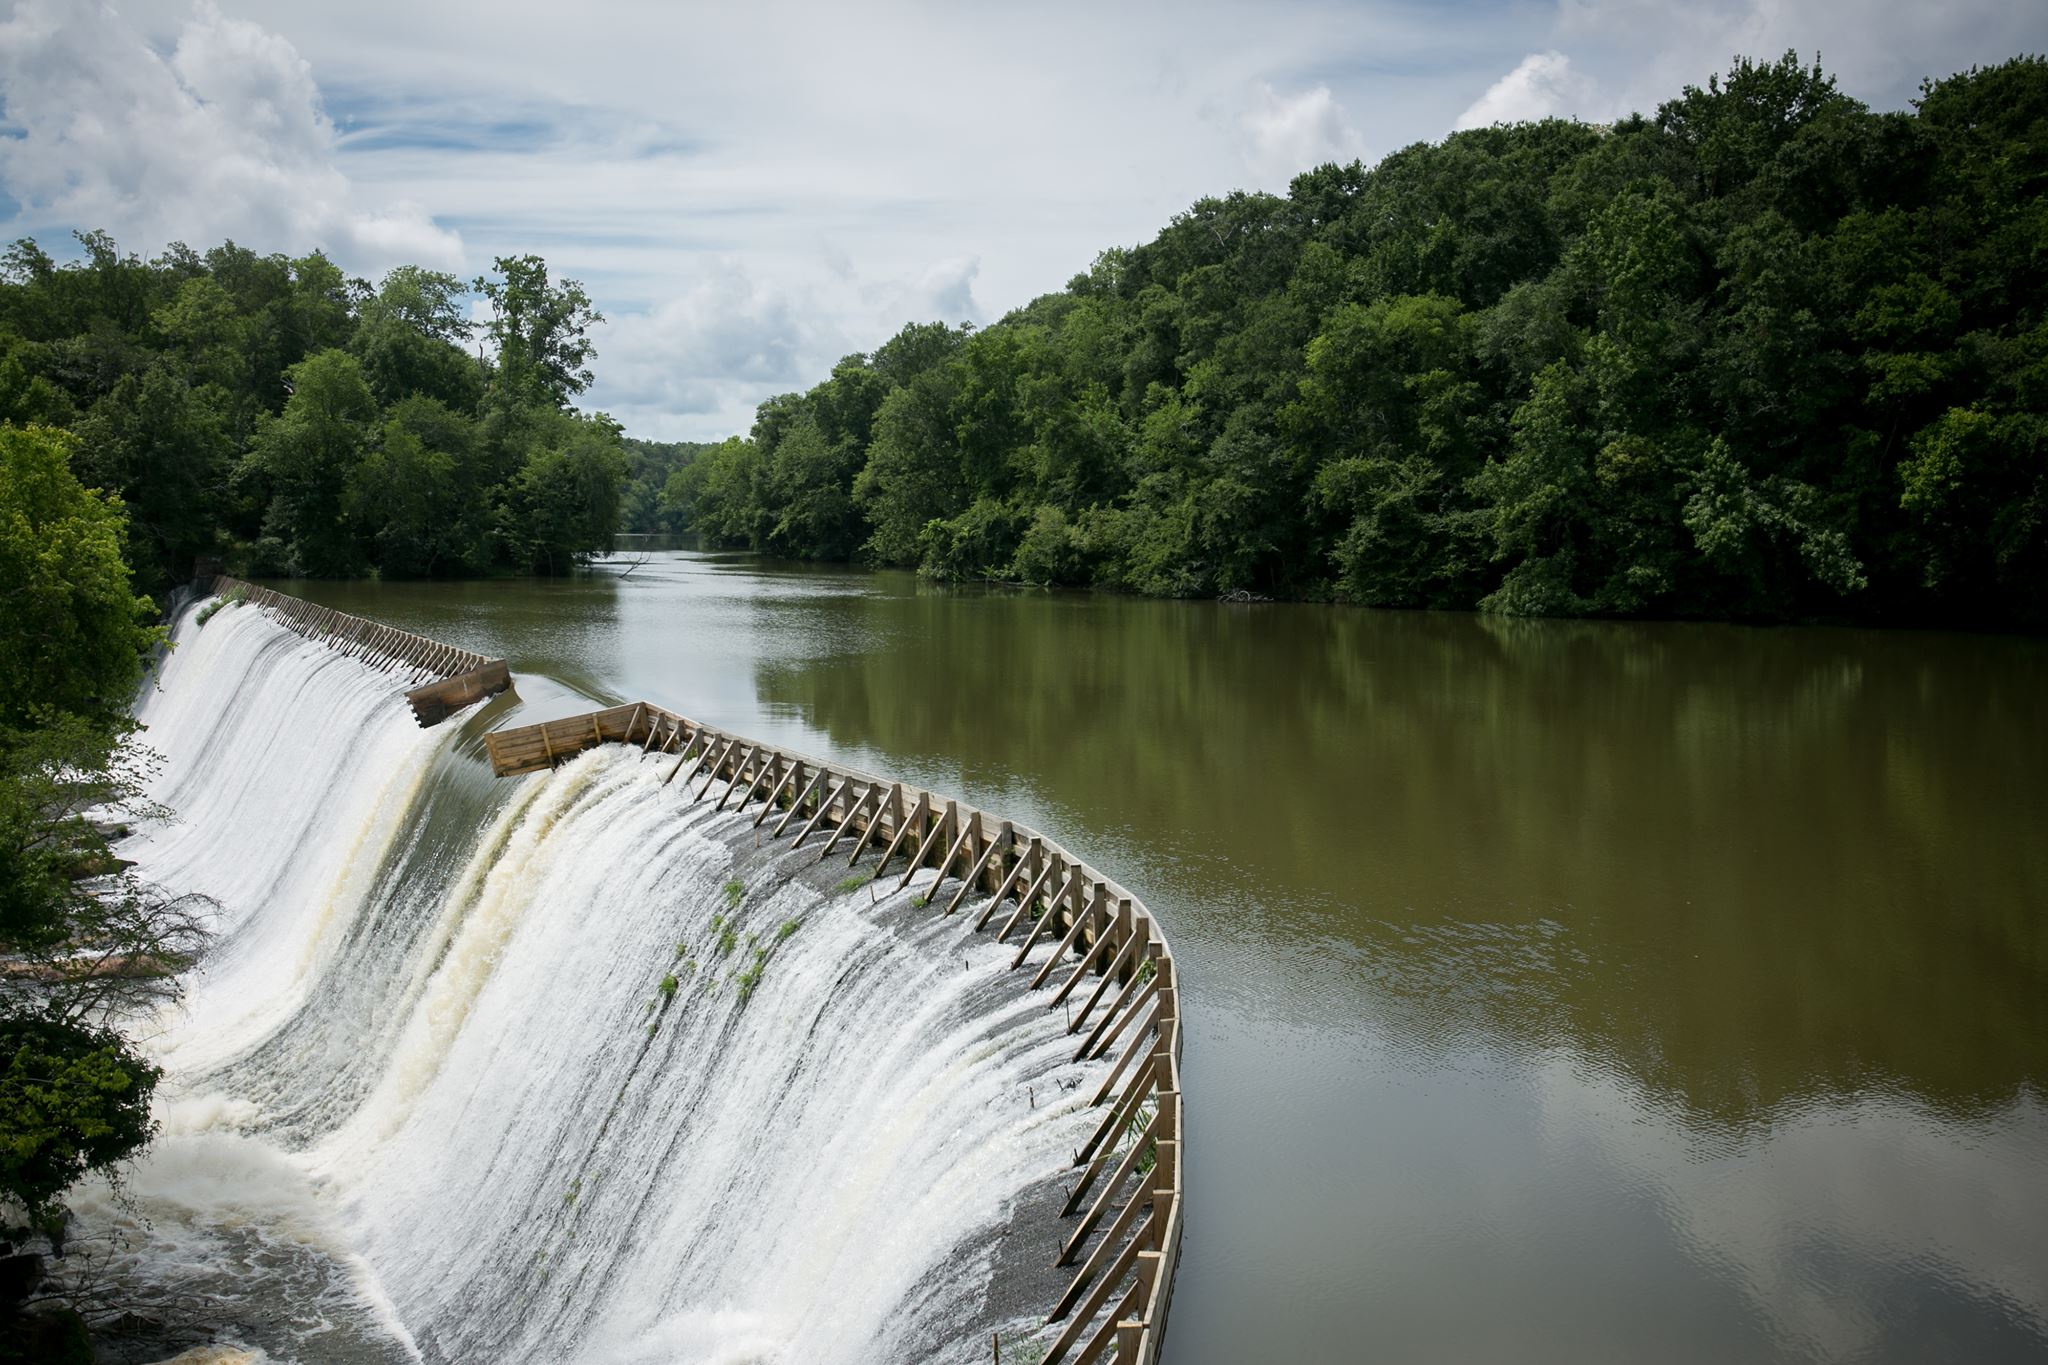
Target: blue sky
[[750, 192]]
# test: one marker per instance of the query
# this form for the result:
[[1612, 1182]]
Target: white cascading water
[[428, 1099]]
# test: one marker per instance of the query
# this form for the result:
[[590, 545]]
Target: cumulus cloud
[[724, 335], [1543, 85], [703, 358], [223, 137], [1287, 135]]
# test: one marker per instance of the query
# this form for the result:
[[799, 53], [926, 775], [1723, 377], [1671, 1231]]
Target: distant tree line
[[288, 419], [1764, 355]]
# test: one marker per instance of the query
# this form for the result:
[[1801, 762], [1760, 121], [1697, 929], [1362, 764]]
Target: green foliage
[[1764, 354], [72, 632], [218, 604], [788, 927], [668, 986], [853, 882], [86, 944], [280, 416], [72, 1098], [746, 981], [733, 891]]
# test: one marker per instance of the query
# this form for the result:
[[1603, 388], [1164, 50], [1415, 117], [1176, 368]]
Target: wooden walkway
[[1102, 950], [448, 678]]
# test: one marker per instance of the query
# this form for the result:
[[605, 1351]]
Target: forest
[[285, 419], [1763, 355]]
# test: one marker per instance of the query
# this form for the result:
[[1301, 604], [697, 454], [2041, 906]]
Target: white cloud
[[224, 137], [860, 166], [1287, 135], [700, 361], [1543, 86]]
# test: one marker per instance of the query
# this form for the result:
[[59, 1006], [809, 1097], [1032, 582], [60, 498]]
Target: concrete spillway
[[578, 1066]]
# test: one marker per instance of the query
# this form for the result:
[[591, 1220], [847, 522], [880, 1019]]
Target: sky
[[750, 192]]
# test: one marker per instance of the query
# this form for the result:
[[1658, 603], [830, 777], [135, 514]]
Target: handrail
[[448, 678], [1115, 1308]]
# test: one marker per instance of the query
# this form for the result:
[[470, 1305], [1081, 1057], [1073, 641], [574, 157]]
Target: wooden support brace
[[988, 852], [1045, 921], [1118, 1114], [789, 774], [1094, 1299], [939, 826], [845, 788], [1130, 946], [1093, 914], [1111, 1331], [1031, 857], [739, 765], [764, 763], [1137, 993], [797, 805], [903, 828], [1137, 1048], [1116, 1182], [1103, 940], [1101, 1159], [853, 809], [875, 822], [1029, 898], [710, 770], [683, 758]]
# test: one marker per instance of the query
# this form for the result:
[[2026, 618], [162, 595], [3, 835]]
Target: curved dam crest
[[577, 1067]]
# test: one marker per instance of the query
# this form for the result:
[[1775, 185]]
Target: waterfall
[[562, 1067]]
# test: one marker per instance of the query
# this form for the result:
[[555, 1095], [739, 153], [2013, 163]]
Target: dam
[[667, 1045]]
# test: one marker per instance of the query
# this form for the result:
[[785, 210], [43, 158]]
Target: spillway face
[[567, 1067]]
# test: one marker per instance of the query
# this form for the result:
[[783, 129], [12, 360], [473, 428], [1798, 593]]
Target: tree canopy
[[277, 415], [1765, 354]]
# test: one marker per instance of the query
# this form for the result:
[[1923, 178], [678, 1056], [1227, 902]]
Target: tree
[[541, 331], [73, 634], [304, 459], [86, 943]]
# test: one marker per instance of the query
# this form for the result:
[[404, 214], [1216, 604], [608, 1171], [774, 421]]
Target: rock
[[215, 1355]]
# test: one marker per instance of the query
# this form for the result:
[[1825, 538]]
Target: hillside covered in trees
[[1766, 354], [276, 414]]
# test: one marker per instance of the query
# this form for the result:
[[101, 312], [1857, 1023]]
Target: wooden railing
[[448, 678], [1125, 1202]]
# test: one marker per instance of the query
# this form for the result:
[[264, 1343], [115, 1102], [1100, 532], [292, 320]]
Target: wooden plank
[[711, 769], [1031, 856], [1044, 921], [1092, 914], [1113, 1020], [1123, 955], [1025, 901], [823, 806], [798, 804], [1116, 1182], [903, 827], [951, 816], [789, 774], [980, 864], [853, 810], [762, 764], [1094, 1299]]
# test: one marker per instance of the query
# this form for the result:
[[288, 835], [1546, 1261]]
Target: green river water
[[1555, 991]]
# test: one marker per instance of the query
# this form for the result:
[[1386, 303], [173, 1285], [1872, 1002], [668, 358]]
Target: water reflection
[[1562, 991], [1752, 865]]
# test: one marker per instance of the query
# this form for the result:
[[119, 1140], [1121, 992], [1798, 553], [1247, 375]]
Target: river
[[1554, 991]]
